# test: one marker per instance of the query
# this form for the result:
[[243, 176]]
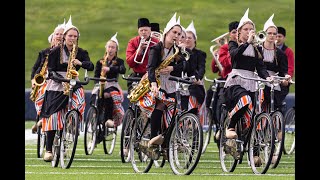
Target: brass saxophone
[[144, 86], [39, 80], [71, 70], [103, 76]]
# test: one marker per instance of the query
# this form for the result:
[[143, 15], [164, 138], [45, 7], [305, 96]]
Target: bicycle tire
[[261, 143], [41, 142], [125, 135], [69, 139], [56, 149], [207, 129], [90, 131], [141, 162], [187, 133], [279, 124], [109, 139], [227, 161], [289, 139]]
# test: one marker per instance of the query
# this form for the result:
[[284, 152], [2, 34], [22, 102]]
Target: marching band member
[[112, 66], [154, 102], [137, 48], [55, 103], [54, 39]]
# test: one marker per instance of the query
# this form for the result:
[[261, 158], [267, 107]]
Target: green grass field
[[102, 166], [100, 19]]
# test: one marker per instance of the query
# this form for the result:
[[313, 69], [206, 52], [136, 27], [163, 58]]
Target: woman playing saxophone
[[165, 52], [39, 72], [112, 96], [55, 101]]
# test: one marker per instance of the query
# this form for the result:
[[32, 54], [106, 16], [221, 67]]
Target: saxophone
[[71, 70], [39, 80], [102, 76], [144, 85]]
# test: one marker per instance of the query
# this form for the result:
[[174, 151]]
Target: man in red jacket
[[281, 37], [137, 50]]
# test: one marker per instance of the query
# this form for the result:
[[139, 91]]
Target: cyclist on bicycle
[[55, 102], [225, 60], [155, 101], [110, 66], [193, 98], [276, 62], [246, 58], [54, 39]]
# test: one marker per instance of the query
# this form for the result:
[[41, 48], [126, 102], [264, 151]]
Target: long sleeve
[[290, 57]]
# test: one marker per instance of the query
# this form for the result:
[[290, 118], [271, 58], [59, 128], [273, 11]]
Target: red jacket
[[132, 47], [225, 60], [290, 57]]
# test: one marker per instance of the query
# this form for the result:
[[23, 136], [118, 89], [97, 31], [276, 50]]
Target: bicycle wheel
[[207, 129], [289, 139], [185, 144], [41, 142], [69, 139], [56, 149], [279, 129], [227, 161], [109, 140], [140, 156], [125, 135], [90, 131], [261, 143]]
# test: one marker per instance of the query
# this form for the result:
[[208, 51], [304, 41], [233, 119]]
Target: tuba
[[144, 85], [103, 76], [221, 40], [39, 80], [71, 69]]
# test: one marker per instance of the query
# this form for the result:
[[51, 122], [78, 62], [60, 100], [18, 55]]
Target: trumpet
[[185, 53], [153, 34], [260, 37]]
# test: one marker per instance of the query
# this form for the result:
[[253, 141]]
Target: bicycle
[[65, 140], [95, 129], [278, 122], [41, 140], [257, 139], [210, 123], [289, 140], [132, 113], [183, 140]]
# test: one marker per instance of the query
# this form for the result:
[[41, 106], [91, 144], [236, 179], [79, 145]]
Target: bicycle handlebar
[[131, 78], [53, 75], [102, 79], [251, 78], [215, 80], [178, 79]]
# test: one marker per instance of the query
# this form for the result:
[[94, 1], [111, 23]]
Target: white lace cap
[[114, 38], [269, 23], [69, 25], [192, 29], [244, 19]]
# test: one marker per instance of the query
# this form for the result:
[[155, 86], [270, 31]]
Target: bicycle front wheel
[[125, 135], [279, 130], [207, 129], [185, 144], [261, 143], [109, 140], [289, 139], [90, 131], [69, 139]]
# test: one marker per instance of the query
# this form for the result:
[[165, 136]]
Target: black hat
[[282, 31], [142, 22], [233, 25], [155, 27]]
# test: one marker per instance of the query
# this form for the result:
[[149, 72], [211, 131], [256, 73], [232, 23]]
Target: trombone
[[153, 34]]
